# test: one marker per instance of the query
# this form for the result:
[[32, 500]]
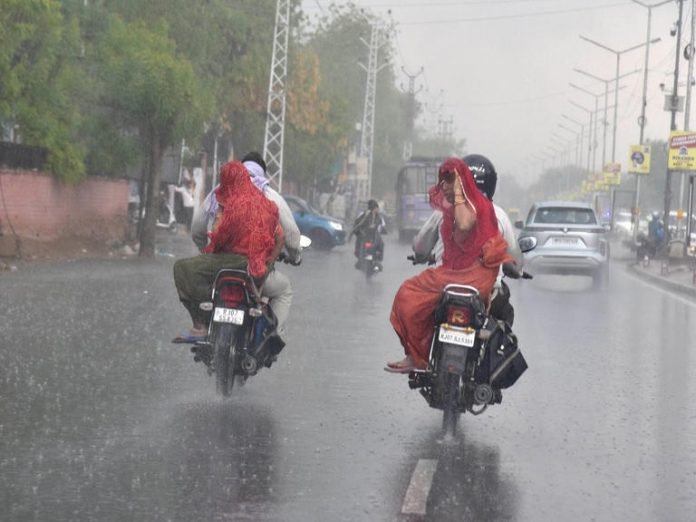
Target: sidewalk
[[673, 275]]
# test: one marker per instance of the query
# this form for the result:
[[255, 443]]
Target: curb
[[664, 282]]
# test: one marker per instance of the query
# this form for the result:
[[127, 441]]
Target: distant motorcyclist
[[427, 244], [369, 226]]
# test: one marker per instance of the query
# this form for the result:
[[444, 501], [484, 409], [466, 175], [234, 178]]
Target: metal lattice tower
[[377, 38], [275, 111]]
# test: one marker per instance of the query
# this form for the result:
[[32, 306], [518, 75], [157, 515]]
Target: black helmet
[[484, 173], [372, 204]]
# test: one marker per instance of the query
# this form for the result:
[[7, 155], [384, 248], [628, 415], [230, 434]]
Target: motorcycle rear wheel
[[223, 359]]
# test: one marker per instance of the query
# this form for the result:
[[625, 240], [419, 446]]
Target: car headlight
[[335, 225]]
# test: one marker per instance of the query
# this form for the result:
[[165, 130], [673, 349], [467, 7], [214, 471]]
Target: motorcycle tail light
[[367, 244], [232, 295], [458, 315]]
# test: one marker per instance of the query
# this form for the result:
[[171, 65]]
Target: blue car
[[324, 231]]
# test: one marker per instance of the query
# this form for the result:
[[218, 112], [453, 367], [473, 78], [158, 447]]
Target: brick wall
[[40, 207]]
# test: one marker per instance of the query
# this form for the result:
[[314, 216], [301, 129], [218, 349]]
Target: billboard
[[682, 150]]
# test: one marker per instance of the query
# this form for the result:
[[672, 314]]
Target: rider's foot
[[405, 365]]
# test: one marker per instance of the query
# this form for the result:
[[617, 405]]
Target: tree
[[155, 90], [40, 79]]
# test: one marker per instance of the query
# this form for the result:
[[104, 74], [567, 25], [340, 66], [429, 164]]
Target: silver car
[[569, 240]]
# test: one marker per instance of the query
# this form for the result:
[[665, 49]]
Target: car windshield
[[565, 216]]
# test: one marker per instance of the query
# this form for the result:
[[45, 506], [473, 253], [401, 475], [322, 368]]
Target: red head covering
[[249, 220], [461, 255]]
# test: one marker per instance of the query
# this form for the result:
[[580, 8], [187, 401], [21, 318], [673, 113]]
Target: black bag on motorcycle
[[503, 362]]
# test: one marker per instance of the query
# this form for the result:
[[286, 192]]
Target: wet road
[[101, 418]]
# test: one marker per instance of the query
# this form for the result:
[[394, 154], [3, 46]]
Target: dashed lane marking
[[416, 499]]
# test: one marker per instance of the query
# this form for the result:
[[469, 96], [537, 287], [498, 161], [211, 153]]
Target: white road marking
[[655, 286], [416, 499]]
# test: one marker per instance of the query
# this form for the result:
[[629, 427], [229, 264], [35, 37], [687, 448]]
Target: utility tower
[[377, 39], [275, 111], [411, 110]]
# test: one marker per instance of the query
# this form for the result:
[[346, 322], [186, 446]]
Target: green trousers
[[194, 277]]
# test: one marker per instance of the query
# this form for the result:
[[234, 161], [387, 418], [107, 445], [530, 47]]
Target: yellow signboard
[[612, 178], [682, 150], [639, 159]]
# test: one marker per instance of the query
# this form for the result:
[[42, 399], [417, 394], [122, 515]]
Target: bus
[[412, 184]]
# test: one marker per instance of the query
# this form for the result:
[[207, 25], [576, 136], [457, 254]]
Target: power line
[[511, 17]]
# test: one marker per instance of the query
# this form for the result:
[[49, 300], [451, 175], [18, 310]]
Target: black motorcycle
[[368, 256], [242, 334], [473, 356]]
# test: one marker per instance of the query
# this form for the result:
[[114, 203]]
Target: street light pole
[[616, 80], [589, 149], [644, 103], [577, 142], [582, 132], [673, 122], [605, 123]]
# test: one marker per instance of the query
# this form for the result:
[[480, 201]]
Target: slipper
[[399, 369], [188, 338]]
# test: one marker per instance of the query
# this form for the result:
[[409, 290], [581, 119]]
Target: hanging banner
[[682, 151], [639, 159]]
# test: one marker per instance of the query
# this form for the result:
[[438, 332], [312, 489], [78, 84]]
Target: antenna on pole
[[275, 111]]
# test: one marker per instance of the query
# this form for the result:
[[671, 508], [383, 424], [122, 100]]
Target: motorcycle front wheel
[[223, 358]]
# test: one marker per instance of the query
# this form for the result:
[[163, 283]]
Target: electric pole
[[411, 111], [275, 112], [367, 141], [674, 105]]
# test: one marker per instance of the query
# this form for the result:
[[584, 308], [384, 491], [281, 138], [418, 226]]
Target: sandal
[[403, 366]]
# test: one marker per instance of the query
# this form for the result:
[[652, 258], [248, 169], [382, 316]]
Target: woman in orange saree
[[473, 252]]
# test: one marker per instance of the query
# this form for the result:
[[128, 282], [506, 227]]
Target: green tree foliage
[[337, 42], [40, 79], [155, 90]]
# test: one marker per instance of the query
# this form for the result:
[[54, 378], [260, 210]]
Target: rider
[[369, 225], [427, 245], [473, 251], [246, 232], [277, 286]]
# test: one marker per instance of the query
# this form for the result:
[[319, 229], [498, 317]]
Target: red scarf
[[464, 254], [249, 220]]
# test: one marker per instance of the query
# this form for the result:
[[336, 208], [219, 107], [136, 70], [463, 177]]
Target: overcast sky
[[501, 69]]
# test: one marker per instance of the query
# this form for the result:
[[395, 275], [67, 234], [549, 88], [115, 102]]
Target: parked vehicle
[[242, 335], [472, 355], [570, 240], [412, 203], [324, 231]]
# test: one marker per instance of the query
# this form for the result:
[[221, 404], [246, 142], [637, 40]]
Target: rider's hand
[[295, 260]]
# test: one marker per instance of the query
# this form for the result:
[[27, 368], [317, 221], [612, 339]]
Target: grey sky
[[501, 68]]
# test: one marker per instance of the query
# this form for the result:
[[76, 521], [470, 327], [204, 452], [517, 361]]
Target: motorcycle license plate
[[368, 257], [457, 336], [228, 315]]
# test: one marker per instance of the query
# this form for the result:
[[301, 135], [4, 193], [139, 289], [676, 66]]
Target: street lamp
[[582, 132], [577, 143], [644, 101], [589, 137], [594, 128], [606, 105], [616, 81]]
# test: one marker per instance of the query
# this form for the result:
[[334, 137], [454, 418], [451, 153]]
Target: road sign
[[639, 159]]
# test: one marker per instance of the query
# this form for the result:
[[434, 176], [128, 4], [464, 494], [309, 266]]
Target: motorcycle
[[242, 334], [473, 356], [367, 258]]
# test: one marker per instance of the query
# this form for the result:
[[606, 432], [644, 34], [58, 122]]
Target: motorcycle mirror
[[527, 243], [305, 242]]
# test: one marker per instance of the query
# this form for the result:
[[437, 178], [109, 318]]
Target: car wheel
[[321, 239]]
